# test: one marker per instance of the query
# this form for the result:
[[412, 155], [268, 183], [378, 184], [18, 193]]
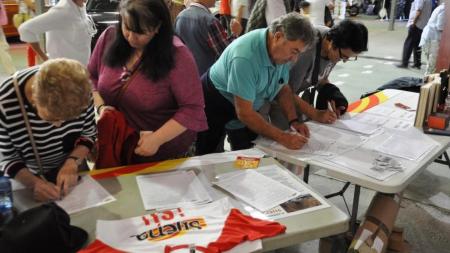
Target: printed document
[[408, 146], [356, 126], [171, 190], [307, 201], [325, 141], [256, 189], [88, 193]]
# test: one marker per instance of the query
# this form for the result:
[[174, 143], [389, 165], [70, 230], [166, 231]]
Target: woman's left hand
[[67, 177], [148, 144]]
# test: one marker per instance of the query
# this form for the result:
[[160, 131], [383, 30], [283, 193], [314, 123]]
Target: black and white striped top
[[54, 144]]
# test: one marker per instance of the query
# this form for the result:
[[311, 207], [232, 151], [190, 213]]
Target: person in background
[[254, 69], [68, 31], [344, 42], [27, 8], [5, 58], [265, 11], [431, 37], [317, 15], [203, 33], [418, 18], [305, 8], [58, 102], [162, 98], [240, 12], [175, 7], [225, 14]]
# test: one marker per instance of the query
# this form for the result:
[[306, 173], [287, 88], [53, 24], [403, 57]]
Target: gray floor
[[425, 212]]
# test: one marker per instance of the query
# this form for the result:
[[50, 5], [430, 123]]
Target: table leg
[[441, 161], [306, 173], [354, 216]]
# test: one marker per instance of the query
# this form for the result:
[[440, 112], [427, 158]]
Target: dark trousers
[[225, 22], [412, 45], [219, 111]]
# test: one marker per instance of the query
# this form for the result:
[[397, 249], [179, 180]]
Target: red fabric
[[116, 140], [239, 228], [225, 7], [99, 247], [31, 56]]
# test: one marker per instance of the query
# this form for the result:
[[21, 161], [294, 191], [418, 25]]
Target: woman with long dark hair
[[141, 69]]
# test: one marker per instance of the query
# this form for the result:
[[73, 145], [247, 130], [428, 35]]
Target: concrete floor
[[425, 212]]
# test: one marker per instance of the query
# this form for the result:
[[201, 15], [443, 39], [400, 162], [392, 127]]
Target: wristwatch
[[77, 160]]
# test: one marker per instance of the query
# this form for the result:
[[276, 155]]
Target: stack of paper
[[407, 146], [88, 193], [356, 126], [171, 190], [257, 190]]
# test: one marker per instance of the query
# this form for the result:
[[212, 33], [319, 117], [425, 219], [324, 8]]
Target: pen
[[330, 107], [61, 194], [294, 130]]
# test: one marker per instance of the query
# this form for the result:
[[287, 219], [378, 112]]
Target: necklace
[[134, 63]]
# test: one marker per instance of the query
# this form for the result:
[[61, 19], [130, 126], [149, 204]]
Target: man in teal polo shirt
[[252, 70]]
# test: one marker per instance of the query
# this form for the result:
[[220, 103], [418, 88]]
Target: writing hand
[[67, 177]]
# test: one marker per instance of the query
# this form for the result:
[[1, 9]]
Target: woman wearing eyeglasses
[[58, 104], [141, 69], [344, 42]]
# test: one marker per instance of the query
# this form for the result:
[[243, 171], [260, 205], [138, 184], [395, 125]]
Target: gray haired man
[[252, 70]]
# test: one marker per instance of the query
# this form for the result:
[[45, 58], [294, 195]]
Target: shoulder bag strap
[[125, 86], [27, 123], [315, 72]]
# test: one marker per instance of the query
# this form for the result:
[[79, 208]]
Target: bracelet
[[292, 121], [98, 108], [77, 160]]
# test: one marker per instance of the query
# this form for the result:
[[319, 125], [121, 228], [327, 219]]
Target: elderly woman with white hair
[[55, 99]]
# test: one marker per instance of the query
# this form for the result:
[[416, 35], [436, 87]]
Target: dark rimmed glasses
[[345, 58]]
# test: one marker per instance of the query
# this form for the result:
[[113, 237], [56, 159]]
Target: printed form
[[88, 193], [171, 190], [256, 189]]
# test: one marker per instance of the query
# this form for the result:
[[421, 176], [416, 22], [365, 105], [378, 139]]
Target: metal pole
[[393, 16]]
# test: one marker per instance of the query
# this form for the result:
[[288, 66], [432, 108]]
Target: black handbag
[[45, 228]]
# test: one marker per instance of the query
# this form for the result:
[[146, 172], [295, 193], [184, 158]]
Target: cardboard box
[[373, 234]]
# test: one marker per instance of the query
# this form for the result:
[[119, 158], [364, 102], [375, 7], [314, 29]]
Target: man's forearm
[[257, 124], [305, 107], [37, 48], [286, 101], [416, 17]]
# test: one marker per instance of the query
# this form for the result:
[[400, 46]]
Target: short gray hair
[[294, 27]]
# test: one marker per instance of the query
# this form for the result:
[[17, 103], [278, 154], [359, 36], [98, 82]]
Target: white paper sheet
[[256, 189], [411, 144], [324, 141], [356, 126], [361, 160], [88, 193], [171, 190], [307, 201], [220, 157]]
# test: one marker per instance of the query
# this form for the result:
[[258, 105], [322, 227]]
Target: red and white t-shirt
[[215, 227]]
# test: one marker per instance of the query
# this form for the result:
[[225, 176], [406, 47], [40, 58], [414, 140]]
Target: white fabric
[[67, 28], [317, 11], [424, 6], [5, 57], [235, 4], [274, 9], [435, 26], [431, 36]]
